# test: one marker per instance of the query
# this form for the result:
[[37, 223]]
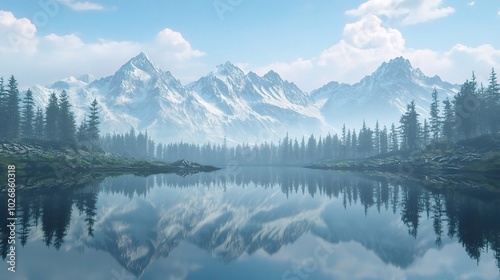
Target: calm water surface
[[254, 223]]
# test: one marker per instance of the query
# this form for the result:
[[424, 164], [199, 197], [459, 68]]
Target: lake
[[254, 223]]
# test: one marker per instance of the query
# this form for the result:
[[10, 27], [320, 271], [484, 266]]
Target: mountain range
[[381, 96], [231, 221], [227, 103]]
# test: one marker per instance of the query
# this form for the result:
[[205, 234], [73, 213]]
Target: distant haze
[[308, 42], [244, 107]]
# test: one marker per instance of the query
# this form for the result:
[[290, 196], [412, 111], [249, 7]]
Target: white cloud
[[368, 33], [81, 5], [411, 11], [388, 8], [173, 42], [465, 59], [16, 35], [366, 43], [292, 71], [66, 41], [54, 56], [471, 3], [498, 12], [485, 53]]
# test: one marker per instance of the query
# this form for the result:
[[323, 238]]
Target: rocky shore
[[38, 161], [477, 158]]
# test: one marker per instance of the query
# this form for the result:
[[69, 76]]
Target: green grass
[[490, 163]]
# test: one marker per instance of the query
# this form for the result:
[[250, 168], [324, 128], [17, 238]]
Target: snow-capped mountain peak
[[135, 76], [396, 69], [242, 107], [87, 78], [399, 62], [227, 69], [69, 82], [273, 77], [143, 62], [139, 67], [383, 95]]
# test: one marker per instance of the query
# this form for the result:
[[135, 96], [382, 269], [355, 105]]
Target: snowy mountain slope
[[242, 107], [383, 95], [231, 221], [226, 103], [267, 98]]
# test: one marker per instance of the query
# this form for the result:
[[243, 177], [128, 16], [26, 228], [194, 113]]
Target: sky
[[308, 42]]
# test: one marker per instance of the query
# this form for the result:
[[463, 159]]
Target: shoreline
[[38, 162]]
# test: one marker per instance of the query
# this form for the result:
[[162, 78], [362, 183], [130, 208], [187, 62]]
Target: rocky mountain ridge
[[229, 104]]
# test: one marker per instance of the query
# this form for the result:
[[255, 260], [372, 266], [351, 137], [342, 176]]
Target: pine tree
[[66, 127], [152, 149], [448, 121], [93, 123], [303, 150], [38, 127], [435, 121], [82, 134], [159, 151], [285, 150], [394, 139], [296, 151], [365, 139], [12, 109], [348, 144], [376, 139], [27, 116], [425, 133], [52, 119], [354, 144], [328, 146], [3, 109], [493, 103], [336, 146], [311, 149], [466, 105], [320, 149], [482, 114], [224, 154], [410, 127], [344, 142], [131, 143], [384, 141], [402, 132], [165, 153], [142, 146]]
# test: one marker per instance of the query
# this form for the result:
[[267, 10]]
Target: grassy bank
[[39, 160], [474, 159]]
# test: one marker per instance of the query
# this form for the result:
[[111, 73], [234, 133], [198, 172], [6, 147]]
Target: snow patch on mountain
[[227, 103], [382, 96]]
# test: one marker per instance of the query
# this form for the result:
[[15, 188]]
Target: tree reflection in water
[[473, 221]]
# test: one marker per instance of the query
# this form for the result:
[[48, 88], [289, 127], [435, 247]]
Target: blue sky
[[309, 42]]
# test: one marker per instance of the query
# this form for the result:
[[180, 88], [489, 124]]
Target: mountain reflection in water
[[257, 211]]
